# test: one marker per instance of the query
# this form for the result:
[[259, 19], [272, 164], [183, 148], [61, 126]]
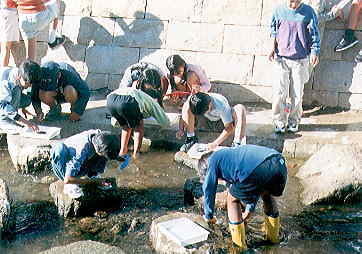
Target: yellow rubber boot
[[238, 234], [271, 227]]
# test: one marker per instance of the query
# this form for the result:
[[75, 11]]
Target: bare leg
[[235, 208], [188, 118], [30, 46], [239, 115], [48, 97], [353, 16], [71, 96], [5, 53], [138, 137], [125, 136]]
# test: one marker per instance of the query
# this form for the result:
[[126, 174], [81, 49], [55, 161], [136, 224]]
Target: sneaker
[[57, 42], [189, 142], [346, 44], [55, 113], [279, 128], [293, 127], [239, 143], [358, 58]]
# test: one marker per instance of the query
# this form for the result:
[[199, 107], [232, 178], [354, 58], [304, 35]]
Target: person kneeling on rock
[[252, 172], [84, 154]]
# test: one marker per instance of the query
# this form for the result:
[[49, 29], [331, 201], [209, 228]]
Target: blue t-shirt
[[232, 165]]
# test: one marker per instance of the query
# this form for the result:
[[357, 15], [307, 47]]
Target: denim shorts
[[270, 176], [31, 24]]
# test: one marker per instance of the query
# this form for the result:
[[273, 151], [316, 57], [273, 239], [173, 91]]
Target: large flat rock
[[333, 174], [94, 199], [83, 247]]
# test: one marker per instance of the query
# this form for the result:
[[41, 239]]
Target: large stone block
[[84, 247], [112, 60], [268, 7], [247, 12], [79, 7], [97, 80], [264, 72], [73, 54], [29, 156], [326, 98], [330, 40], [156, 56], [140, 33], [187, 10], [257, 44], [83, 30], [195, 36], [114, 81], [116, 8], [350, 101], [94, 199], [339, 168], [338, 76]]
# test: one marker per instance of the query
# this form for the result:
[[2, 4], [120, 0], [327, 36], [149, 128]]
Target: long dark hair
[[173, 63]]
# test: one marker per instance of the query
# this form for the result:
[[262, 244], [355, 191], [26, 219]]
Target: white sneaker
[[293, 128], [279, 127], [73, 190]]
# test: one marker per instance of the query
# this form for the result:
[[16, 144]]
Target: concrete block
[[336, 76], [140, 33], [326, 98], [116, 8], [114, 81], [264, 72], [261, 94], [187, 10], [69, 53], [112, 60], [257, 44], [350, 101], [156, 56], [230, 68], [74, 8], [247, 12], [97, 80], [195, 36], [330, 40], [87, 29]]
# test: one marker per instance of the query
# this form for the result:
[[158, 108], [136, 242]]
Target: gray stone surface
[[4, 207], [163, 245], [29, 156], [116, 8], [79, 7], [195, 36], [334, 173], [83, 247], [94, 198]]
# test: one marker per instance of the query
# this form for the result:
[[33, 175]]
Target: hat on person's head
[[106, 144], [50, 76]]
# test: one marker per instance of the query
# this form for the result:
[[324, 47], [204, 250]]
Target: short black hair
[[30, 71], [150, 76], [107, 144], [173, 62], [199, 103]]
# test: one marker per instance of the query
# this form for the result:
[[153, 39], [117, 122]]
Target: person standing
[[296, 47]]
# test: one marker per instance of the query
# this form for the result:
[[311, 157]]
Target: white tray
[[45, 132], [183, 231]]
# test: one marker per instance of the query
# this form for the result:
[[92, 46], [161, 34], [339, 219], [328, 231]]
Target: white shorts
[[9, 25], [32, 24]]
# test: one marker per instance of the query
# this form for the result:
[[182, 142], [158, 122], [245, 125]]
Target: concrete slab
[[318, 127]]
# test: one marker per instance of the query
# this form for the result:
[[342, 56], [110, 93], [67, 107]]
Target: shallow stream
[[154, 188]]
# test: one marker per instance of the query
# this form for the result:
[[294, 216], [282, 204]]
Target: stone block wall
[[228, 38]]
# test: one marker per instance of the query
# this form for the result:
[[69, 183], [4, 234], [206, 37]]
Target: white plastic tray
[[183, 231]]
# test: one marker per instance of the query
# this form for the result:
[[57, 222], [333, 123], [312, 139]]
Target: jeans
[[59, 156]]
